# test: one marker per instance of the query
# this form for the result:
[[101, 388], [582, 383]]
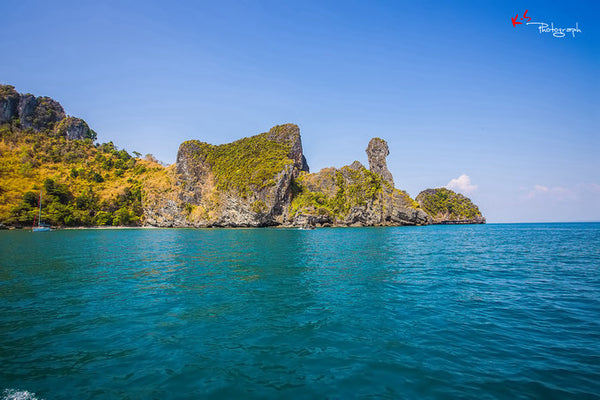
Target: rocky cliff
[[245, 183], [355, 196], [261, 180], [40, 114], [264, 180], [377, 152], [447, 207]]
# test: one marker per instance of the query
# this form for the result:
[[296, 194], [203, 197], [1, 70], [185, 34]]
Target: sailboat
[[40, 227]]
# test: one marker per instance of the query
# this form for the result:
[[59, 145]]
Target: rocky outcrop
[[74, 129], [40, 114], [9, 103], [289, 134], [244, 183], [165, 213], [194, 171], [352, 196], [377, 151], [448, 207], [263, 180]]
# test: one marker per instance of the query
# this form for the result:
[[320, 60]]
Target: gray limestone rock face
[[74, 129], [9, 103], [290, 134], [194, 170], [363, 200], [211, 202], [26, 108], [39, 113], [377, 151], [304, 220]]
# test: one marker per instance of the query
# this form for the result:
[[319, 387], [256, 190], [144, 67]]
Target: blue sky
[[508, 113]]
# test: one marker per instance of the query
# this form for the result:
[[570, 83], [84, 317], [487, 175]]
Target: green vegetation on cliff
[[445, 205], [8, 90], [245, 165], [334, 192]]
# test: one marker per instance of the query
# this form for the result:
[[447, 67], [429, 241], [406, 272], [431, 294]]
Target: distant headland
[[257, 181]]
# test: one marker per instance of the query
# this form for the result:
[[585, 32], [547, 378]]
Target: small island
[[257, 181]]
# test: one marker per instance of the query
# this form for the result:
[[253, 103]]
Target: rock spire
[[377, 151]]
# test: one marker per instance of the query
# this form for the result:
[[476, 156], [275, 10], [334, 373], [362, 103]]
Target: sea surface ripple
[[507, 311]]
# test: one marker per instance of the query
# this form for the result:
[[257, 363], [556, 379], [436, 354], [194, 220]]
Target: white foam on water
[[14, 394]]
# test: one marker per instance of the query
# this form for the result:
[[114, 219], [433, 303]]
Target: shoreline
[[75, 228]]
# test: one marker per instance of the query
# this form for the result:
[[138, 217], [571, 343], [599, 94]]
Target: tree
[[103, 218], [30, 199]]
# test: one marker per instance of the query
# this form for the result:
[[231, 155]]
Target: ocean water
[[477, 312]]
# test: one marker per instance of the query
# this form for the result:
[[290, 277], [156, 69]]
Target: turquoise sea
[[497, 311]]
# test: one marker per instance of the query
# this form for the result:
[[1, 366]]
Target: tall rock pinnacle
[[377, 151]]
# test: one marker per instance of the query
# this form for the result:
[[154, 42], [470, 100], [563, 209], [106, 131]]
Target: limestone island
[[257, 181]]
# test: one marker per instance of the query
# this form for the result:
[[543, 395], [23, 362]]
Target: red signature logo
[[515, 22]]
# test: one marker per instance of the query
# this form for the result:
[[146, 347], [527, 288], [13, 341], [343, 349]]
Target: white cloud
[[462, 184], [553, 192], [545, 202]]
